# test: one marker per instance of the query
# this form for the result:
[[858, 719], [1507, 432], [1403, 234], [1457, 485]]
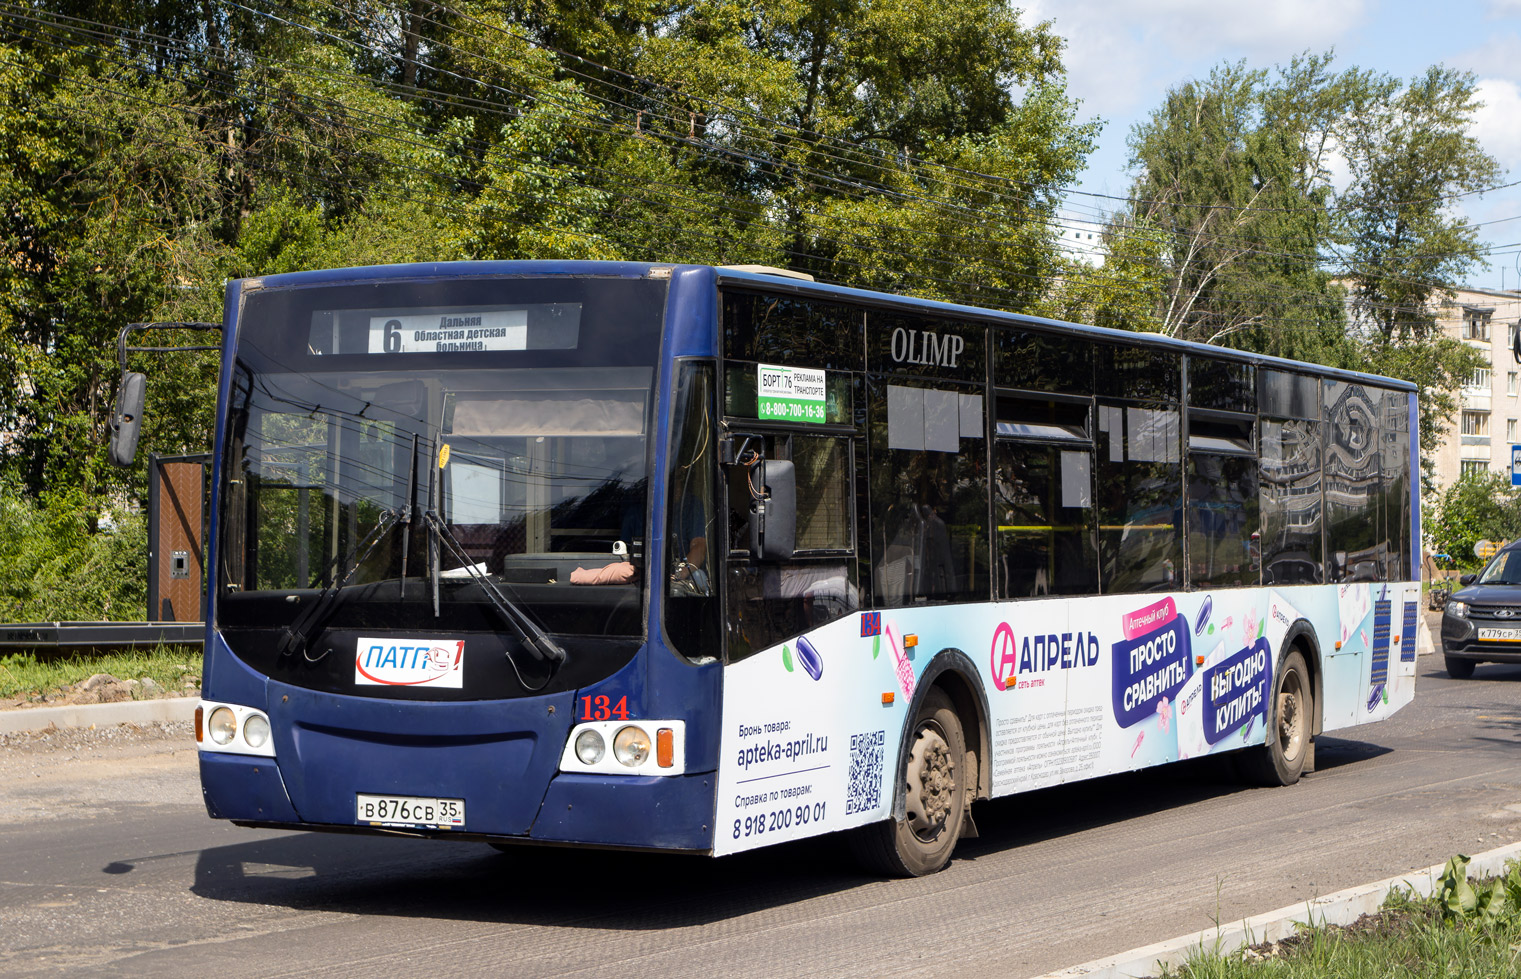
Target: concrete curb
[[1343, 907], [97, 715]]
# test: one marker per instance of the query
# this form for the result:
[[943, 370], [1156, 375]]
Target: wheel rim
[[1291, 715], [931, 784]]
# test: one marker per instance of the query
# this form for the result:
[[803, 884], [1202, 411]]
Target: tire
[[934, 777], [1459, 667], [1291, 712]]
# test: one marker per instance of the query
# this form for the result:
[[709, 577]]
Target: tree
[[1262, 251], [1479, 506], [1234, 171], [1411, 153]]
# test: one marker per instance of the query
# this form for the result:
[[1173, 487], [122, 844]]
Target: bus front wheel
[[1281, 761], [934, 780]]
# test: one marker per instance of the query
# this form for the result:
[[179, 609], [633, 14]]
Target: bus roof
[[773, 282]]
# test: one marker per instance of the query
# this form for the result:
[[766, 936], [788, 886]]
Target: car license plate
[[1503, 635], [410, 811]]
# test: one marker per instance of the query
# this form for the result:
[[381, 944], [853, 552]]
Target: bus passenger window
[[1354, 522], [1044, 507], [1043, 496], [1291, 544], [1223, 538], [1139, 491], [1394, 453], [929, 496]]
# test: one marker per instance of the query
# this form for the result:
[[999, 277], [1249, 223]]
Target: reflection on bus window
[[1291, 524], [1352, 487], [1222, 521]]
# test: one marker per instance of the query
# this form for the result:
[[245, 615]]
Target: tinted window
[[1291, 523], [1394, 435], [926, 346], [1222, 520], [770, 602], [1043, 511], [1224, 385], [1138, 492], [1354, 523], [929, 495], [1139, 373], [1285, 395], [792, 331], [1041, 362]]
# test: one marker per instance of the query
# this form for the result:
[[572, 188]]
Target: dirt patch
[[1381, 924]]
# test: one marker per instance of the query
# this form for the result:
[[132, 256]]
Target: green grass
[[1409, 939], [24, 676]]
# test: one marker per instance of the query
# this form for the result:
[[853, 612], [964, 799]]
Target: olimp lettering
[[926, 347]]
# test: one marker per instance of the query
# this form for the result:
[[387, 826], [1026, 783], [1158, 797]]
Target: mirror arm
[[121, 339]]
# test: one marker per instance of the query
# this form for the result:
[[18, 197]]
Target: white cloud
[[1495, 124], [1495, 58], [1258, 30], [1121, 56]]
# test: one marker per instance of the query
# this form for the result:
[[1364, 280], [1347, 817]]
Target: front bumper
[[1460, 638], [623, 811]]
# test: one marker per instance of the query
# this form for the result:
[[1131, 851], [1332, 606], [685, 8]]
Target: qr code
[[865, 790]]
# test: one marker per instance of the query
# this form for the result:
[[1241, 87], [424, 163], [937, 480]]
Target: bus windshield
[[432, 487]]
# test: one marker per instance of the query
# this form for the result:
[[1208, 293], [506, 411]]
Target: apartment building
[[1488, 422]]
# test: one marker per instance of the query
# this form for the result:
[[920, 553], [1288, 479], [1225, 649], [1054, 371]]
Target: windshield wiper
[[534, 638], [298, 633]]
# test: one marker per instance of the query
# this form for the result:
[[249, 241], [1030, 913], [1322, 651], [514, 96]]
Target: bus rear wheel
[[934, 780], [1281, 761]]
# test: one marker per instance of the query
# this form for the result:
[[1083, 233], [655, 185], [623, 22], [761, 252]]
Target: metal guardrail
[[44, 636]]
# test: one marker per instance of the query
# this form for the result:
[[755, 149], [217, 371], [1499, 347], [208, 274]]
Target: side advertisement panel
[[1075, 688]]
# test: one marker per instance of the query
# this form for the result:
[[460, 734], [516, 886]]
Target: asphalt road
[[109, 866]]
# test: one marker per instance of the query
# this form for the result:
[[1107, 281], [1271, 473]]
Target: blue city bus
[[700, 559]]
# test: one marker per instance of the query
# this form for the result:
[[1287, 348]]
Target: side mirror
[[127, 419], [773, 519], [1467, 579]]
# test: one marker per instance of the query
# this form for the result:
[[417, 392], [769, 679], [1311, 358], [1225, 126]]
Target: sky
[[1123, 55]]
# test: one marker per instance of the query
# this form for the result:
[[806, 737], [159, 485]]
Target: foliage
[[1263, 248], [1466, 928], [1410, 149], [1459, 900], [150, 152], [55, 565], [1479, 506]]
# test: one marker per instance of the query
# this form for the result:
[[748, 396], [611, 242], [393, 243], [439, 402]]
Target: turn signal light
[[200, 729], [665, 748]]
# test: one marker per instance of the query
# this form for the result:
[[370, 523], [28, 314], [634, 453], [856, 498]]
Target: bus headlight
[[620, 747], [590, 747], [256, 730], [222, 725], [631, 747], [232, 729]]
